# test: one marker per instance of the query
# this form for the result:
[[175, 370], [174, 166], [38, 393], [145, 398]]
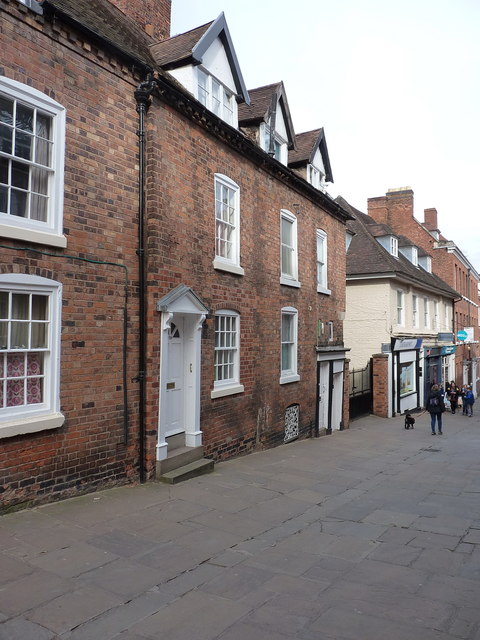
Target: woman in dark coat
[[453, 396], [435, 407]]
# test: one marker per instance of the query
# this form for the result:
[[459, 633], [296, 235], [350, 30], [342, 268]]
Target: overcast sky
[[395, 84]]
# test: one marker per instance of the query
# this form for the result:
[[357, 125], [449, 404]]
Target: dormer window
[[316, 177], [415, 256], [273, 143], [394, 246], [426, 263], [216, 97]]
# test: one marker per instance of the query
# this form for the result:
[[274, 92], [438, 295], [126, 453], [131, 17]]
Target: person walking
[[435, 407], [468, 401], [463, 393], [453, 396]]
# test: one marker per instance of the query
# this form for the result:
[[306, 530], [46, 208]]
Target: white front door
[[323, 395], [175, 380]]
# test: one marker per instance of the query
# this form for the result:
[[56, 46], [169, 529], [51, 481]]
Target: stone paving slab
[[373, 532]]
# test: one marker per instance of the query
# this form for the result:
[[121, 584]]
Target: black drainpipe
[[142, 98]]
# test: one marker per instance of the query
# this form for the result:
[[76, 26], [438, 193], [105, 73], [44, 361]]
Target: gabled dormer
[[409, 250], [205, 63], [384, 236], [310, 158], [267, 121], [424, 261]]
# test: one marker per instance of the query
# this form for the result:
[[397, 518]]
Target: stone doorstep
[[177, 458], [196, 468]]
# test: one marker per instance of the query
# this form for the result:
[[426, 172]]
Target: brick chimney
[[377, 208], [153, 16], [400, 205], [430, 217]]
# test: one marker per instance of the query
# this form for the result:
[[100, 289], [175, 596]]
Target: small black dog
[[409, 421]]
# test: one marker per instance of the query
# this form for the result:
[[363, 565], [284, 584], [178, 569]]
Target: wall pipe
[[142, 97]]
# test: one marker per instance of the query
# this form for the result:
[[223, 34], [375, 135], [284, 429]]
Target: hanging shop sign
[[407, 344], [446, 351]]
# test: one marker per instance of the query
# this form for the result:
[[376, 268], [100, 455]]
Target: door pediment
[[182, 299]]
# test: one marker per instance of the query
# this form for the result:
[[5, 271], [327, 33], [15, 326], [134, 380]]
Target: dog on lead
[[409, 421]]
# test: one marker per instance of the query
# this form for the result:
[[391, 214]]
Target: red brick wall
[[380, 385], [100, 222], [181, 250], [100, 211]]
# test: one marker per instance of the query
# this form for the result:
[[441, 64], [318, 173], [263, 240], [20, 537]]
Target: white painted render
[[187, 77], [318, 161], [367, 319], [371, 317], [280, 127], [216, 62]]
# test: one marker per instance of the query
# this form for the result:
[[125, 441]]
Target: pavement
[[372, 533]]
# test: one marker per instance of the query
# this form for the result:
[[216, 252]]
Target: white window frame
[[400, 308], [231, 385], [289, 279], [18, 228], [415, 256], [280, 151], [436, 320], [220, 262], [415, 310], [316, 177], [322, 265], [394, 246], [216, 97], [39, 417], [290, 374], [426, 313], [448, 326]]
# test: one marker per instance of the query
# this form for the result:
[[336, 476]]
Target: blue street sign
[[462, 335]]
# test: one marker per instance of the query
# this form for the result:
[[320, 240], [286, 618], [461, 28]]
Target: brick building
[[164, 286], [399, 315], [396, 208]]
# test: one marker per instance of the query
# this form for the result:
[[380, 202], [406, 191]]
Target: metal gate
[[361, 391]]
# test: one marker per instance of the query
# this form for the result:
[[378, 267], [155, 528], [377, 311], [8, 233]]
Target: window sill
[[33, 235], [25, 425], [289, 378], [227, 391], [290, 282], [324, 290], [231, 268]]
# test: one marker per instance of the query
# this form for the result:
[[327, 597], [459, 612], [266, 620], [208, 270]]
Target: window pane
[[43, 152], [3, 335], [20, 303], [44, 129], [287, 232], [34, 390], [39, 208], [39, 307], [39, 335], [15, 392], [286, 357], [287, 328], [287, 260], [4, 170], [6, 110], [3, 199], [23, 145], [15, 365], [5, 139], [3, 304], [35, 364], [20, 174], [24, 118], [18, 203], [19, 339]]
